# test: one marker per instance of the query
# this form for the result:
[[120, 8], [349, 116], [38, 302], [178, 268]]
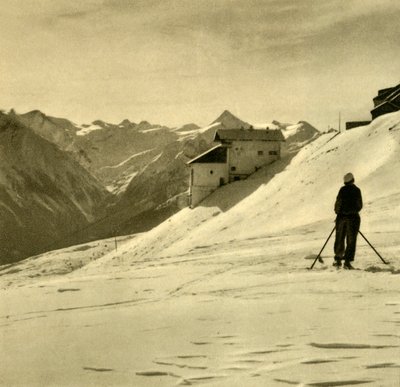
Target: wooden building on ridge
[[387, 101], [240, 153]]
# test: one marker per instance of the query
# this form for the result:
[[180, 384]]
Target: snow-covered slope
[[303, 193], [221, 294]]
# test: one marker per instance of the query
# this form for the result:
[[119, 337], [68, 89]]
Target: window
[[233, 168], [211, 172], [260, 153], [273, 153]]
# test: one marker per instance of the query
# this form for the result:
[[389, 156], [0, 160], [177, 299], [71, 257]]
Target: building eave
[[204, 153], [387, 102], [229, 135]]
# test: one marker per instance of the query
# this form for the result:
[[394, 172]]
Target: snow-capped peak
[[228, 121]]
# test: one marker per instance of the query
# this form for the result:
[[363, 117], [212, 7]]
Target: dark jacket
[[348, 201]]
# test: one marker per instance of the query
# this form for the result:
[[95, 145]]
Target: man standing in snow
[[347, 206]]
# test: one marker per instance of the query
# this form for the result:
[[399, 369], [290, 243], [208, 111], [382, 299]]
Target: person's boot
[[337, 263], [347, 266]]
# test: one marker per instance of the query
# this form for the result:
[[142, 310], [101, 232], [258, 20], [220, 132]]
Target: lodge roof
[[217, 154], [392, 99], [388, 90], [248, 135]]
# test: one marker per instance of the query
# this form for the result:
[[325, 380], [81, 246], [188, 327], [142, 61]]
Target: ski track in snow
[[237, 303]]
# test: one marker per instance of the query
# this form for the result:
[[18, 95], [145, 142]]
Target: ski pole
[[316, 259], [373, 248]]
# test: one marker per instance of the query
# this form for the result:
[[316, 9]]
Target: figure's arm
[[338, 203], [359, 201]]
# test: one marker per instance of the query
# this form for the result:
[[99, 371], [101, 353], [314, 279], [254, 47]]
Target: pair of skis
[[318, 258]]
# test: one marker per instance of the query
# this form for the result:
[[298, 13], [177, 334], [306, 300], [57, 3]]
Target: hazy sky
[[179, 61]]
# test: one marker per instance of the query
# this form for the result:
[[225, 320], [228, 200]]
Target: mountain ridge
[[142, 165], [44, 194]]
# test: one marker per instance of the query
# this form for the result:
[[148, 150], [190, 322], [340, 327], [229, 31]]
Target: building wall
[[206, 178], [356, 124], [382, 95], [386, 101], [245, 157], [383, 109]]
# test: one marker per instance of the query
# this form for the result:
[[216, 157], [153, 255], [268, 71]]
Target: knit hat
[[348, 178]]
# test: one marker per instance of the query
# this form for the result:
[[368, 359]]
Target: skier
[[347, 206]]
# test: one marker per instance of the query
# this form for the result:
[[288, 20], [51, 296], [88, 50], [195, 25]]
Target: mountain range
[[131, 176], [223, 294], [45, 195]]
